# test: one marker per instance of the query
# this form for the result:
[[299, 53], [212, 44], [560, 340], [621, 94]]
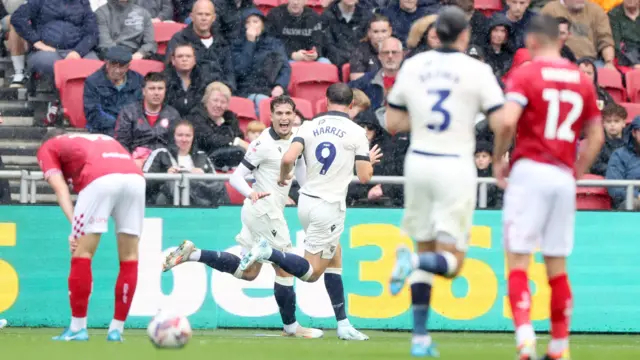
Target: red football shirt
[[82, 158], [557, 100]]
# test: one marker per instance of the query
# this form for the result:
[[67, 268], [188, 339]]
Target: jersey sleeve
[[397, 97], [516, 89], [362, 147], [492, 97], [254, 155], [49, 161]]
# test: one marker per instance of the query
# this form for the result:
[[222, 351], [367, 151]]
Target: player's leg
[[286, 298]]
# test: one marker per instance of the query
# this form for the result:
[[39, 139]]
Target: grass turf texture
[[36, 344]]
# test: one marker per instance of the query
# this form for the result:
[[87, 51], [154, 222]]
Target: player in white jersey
[[332, 145], [437, 96], [262, 215]]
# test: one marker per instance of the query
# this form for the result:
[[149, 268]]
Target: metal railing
[[182, 184]]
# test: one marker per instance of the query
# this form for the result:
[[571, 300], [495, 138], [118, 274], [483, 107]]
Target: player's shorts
[[257, 227], [323, 224], [439, 197], [121, 196], [539, 209]]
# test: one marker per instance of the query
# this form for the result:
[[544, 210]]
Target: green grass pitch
[[36, 344]]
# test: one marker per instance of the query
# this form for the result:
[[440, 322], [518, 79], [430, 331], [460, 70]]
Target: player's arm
[[251, 161], [396, 115], [301, 171], [290, 157], [365, 159], [60, 187], [503, 123]]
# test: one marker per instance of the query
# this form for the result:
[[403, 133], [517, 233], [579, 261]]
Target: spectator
[[144, 126], [403, 14], [159, 10], [624, 164], [484, 151], [109, 89], [613, 120], [376, 84], [422, 36], [215, 125], [478, 22], [300, 29], [590, 31], [254, 129], [298, 120], [521, 57], [564, 26], [186, 80], [213, 53], [365, 57], [260, 61], [124, 23], [230, 17], [56, 30], [498, 47], [625, 28], [345, 23], [518, 15], [587, 66], [183, 157], [15, 44], [182, 10]]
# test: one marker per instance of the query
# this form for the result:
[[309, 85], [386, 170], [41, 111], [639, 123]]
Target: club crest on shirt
[[164, 123]]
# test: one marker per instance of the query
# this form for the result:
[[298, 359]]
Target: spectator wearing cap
[[477, 21], [56, 30], [125, 23], [624, 164], [404, 13], [498, 45], [422, 36], [345, 22], [109, 89], [483, 164], [518, 14], [365, 57]]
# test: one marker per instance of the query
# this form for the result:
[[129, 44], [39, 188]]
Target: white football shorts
[[256, 227], [323, 224]]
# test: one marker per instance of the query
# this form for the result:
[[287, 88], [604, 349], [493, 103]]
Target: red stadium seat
[[235, 197], [611, 81], [346, 72], [315, 5], [303, 105], [69, 79], [488, 7], [163, 32], [266, 5], [244, 110], [310, 80], [592, 198], [633, 85], [143, 67], [633, 110], [321, 106]]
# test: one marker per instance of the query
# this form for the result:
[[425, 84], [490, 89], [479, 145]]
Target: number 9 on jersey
[[325, 154]]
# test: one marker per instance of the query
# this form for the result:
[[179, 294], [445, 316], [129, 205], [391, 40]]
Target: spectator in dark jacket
[[405, 13], [613, 120], [344, 23], [483, 153], [588, 67], [300, 30], [230, 17], [365, 57], [422, 36], [478, 22], [125, 23], [518, 14], [160, 10], [145, 126], [260, 61], [186, 80], [56, 30], [182, 10], [109, 89], [213, 53], [498, 47], [624, 164]]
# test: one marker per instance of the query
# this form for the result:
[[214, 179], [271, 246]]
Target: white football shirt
[[444, 90], [263, 158], [332, 144]]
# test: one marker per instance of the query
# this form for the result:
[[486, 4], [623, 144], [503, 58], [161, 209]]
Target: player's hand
[[137, 56], [173, 170], [73, 244], [375, 192], [501, 171], [255, 196], [285, 181], [375, 154]]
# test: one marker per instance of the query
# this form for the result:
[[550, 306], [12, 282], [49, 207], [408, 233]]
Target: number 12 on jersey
[[442, 96], [554, 98]]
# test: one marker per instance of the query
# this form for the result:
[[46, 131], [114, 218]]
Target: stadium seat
[[488, 7], [235, 197], [611, 81], [633, 110], [163, 32], [321, 106], [315, 5], [633, 85], [310, 80], [266, 5], [346, 72], [69, 79], [244, 110], [143, 67], [303, 105], [592, 198]]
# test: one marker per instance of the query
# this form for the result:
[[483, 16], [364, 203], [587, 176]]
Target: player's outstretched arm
[[594, 139], [396, 120], [239, 183], [61, 189], [503, 123], [301, 171], [289, 160]]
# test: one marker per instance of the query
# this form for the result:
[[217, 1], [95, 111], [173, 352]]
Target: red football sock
[[561, 306], [79, 286], [519, 297], [125, 288]]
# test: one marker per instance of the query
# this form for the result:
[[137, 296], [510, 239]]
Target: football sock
[[335, 289], [520, 301], [420, 300], [436, 263], [116, 325], [292, 263], [79, 290], [220, 260], [561, 305], [286, 299], [195, 255], [125, 289]]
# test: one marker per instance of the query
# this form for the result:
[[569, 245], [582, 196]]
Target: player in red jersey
[[108, 184], [549, 105]]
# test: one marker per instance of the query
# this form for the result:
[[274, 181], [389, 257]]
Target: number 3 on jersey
[[554, 98], [442, 96], [325, 154]]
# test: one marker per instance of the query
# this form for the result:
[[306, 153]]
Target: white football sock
[[195, 255], [116, 325], [18, 63], [291, 328], [525, 333], [78, 324], [344, 323], [421, 339], [557, 346]]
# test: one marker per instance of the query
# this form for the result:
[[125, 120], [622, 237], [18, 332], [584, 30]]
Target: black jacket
[[500, 62], [340, 36], [364, 59], [209, 136], [479, 24], [610, 145], [229, 17], [296, 32], [133, 128], [215, 60], [494, 193], [185, 100]]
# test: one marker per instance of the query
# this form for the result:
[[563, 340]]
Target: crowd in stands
[[182, 119]]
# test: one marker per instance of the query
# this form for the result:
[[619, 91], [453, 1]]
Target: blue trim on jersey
[[426, 153], [249, 165], [298, 139], [494, 108], [446, 50], [397, 107], [362, 158]]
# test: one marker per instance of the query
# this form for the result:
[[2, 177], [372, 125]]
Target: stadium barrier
[[34, 265], [181, 192]]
